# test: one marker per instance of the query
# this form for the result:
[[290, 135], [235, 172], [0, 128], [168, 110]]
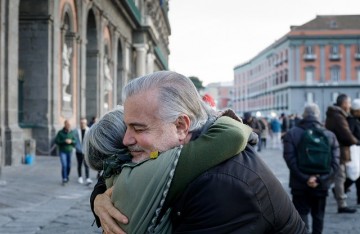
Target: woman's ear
[[182, 126]]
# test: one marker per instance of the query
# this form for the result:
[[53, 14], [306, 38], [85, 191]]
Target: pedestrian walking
[[310, 180], [65, 140], [93, 120], [265, 131], [255, 125], [337, 123], [275, 125], [285, 124], [354, 124], [79, 136]]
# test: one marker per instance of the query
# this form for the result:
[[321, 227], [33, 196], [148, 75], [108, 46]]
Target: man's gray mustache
[[135, 148]]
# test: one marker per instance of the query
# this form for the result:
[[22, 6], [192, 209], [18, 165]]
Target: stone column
[[150, 63], [127, 60], [115, 40], [141, 50], [13, 135]]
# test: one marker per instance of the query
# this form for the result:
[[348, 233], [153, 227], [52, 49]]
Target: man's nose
[[128, 138]]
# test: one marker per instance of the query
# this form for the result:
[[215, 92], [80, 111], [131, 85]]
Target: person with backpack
[[312, 155], [336, 121]]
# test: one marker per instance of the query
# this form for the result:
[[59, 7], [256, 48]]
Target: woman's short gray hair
[[104, 138], [311, 109], [177, 96]]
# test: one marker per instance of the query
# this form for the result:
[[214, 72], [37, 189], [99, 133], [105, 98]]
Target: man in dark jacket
[[65, 140], [309, 191], [254, 123], [337, 123], [241, 195]]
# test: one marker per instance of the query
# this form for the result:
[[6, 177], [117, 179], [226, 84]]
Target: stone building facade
[[314, 62], [66, 59]]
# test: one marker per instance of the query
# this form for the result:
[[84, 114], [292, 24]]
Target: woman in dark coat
[[354, 124]]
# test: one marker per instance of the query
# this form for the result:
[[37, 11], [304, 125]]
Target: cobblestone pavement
[[34, 201]]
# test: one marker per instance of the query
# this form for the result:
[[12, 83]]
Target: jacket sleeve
[[289, 155], [99, 188], [343, 133]]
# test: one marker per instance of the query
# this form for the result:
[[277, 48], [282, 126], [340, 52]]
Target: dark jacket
[[337, 123], [240, 195], [354, 125], [255, 124], [61, 136], [298, 180]]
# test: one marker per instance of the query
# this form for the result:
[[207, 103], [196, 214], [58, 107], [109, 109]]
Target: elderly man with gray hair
[[241, 195], [309, 185]]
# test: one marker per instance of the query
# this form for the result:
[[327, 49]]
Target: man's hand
[[107, 213], [312, 182], [68, 141]]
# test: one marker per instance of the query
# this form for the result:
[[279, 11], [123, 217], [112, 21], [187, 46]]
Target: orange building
[[314, 62]]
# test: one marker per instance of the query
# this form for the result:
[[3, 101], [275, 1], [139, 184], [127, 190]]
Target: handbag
[[353, 166]]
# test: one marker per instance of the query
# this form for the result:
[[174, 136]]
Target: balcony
[[357, 56], [309, 57], [335, 57]]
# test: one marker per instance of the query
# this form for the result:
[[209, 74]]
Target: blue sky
[[210, 37]]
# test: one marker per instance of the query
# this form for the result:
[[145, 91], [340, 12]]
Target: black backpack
[[314, 152]]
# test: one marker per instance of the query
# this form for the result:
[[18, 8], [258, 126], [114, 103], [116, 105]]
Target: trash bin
[[30, 147]]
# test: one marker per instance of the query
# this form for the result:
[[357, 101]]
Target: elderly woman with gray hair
[[140, 190], [309, 190]]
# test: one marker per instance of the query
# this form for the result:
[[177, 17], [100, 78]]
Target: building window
[[334, 52], [309, 49], [334, 49], [333, 24], [357, 53], [309, 74], [335, 73], [309, 54], [358, 73]]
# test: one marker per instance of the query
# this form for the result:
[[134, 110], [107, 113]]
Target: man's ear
[[182, 126]]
